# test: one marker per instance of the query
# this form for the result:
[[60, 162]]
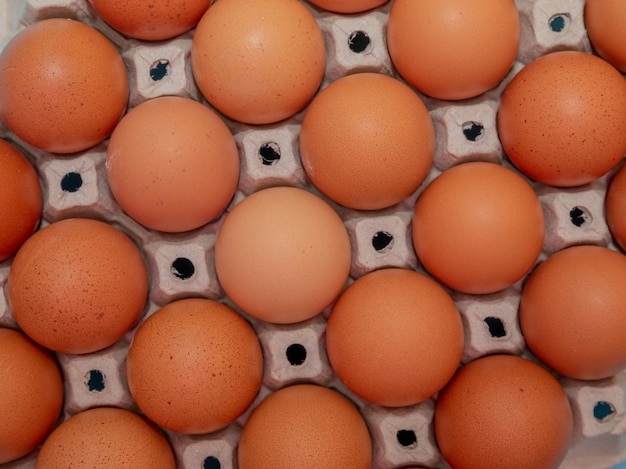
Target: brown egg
[[615, 206], [31, 394], [348, 6], [305, 426], [77, 285], [573, 310], [172, 164], [63, 85], [367, 141], [478, 227], [283, 255], [106, 437], [395, 337], [605, 21], [453, 49], [258, 62], [21, 200], [562, 119], [151, 20], [194, 366], [503, 412]]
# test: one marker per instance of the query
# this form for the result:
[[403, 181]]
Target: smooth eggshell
[[258, 62], [21, 200], [282, 255], [453, 49], [305, 425], [503, 412], [367, 141], [31, 394], [151, 21], [478, 227], [395, 337], [605, 22], [194, 366], [348, 6], [77, 285], [562, 119], [63, 85], [172, 164], [573, 310], [107, 438], [615, 206]]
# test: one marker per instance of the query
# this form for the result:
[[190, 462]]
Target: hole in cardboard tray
[[182, 268], [211, 462], [94, 380], [603, 411], [359, 42], [496, 327], [296, 354], [407, 438], [269, 153], [382, 241], [473, 131], [559, 22], [159, 69], [71, 182], [579, 216]]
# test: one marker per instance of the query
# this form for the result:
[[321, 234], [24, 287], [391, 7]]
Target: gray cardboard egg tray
[[181, 265]]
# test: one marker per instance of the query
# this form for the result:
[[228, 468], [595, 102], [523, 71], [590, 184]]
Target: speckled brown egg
[[453, 49], [562, 119], [605, 21], [63, 85], [573, 310], [77, 285], [151, 20], [31, 394], [478, 227], [21, 201], [172, 164], [394, 337], [367, 141], [258, 62], [305, 426], [194, 366], [503, 412], [107, 438]]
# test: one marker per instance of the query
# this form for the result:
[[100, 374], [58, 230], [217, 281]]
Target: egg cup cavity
[[404, 436], [294, 353], [37, 10], [381, 241], [6, 316], [160, 69], [574, 216], [215, 451], [466, 132], [598, 405], [490, 324], [96, 379], [182, 267], [76, 187], [551, 25], [355, 43], [269, 157]]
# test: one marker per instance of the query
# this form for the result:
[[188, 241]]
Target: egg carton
[[181, 265]]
